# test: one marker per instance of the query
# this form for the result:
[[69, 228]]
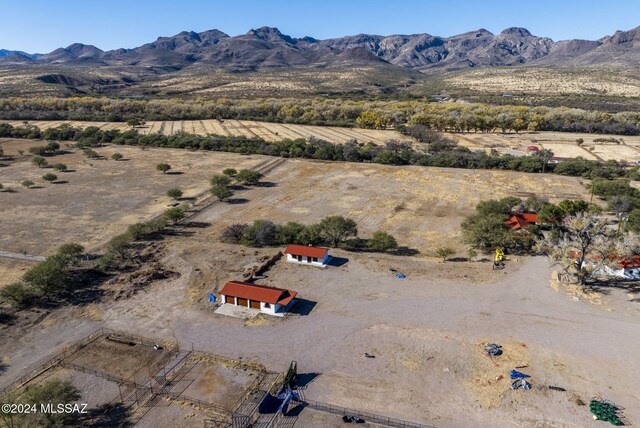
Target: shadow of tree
[[237, 201], [107, 415], [605, 287]]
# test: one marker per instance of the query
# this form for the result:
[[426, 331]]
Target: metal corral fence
[[204, 404], [368, 417], [73, 348], [22, 256], [51, 362]]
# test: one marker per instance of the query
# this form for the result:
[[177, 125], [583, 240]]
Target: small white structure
[[308, 255], [627, 268], [269, 300]]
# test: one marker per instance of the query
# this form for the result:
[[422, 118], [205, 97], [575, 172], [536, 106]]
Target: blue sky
[[41, 26]]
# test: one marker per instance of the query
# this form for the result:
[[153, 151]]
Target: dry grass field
[[247, 128], [548, 81], [562, 144], [422, 207], [97, 199]]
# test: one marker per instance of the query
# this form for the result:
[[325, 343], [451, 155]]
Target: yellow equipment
[[498, 261]]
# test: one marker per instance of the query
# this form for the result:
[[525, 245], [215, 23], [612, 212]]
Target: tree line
[[449, 116], [436, 150], [334, 231]]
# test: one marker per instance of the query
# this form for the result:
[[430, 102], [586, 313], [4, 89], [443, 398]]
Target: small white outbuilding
[[307, 255]]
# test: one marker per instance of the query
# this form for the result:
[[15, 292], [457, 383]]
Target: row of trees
[[438, 151], [220, 184], [451, 116], [334, 231]]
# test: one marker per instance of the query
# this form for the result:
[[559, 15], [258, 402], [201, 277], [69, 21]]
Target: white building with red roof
[[307, 255], [269, 300]]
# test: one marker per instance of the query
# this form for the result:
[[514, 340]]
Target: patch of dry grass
[[489, 380]]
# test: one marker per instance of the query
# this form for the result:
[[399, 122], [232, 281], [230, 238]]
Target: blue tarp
[[401, 276], [212, 298], [518, 375], [287, 395]]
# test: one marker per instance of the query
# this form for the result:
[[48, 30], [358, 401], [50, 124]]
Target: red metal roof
[[630, 262], [307, 251], [259, 293], [520, 220], [533, 148]]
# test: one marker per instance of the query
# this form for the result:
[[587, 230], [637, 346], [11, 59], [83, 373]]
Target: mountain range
[[267, 48]]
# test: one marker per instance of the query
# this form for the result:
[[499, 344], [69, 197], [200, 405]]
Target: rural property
[[273, 231]]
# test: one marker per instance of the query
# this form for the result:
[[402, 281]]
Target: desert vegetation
[[435, 150], [335, 231], [454, 116]]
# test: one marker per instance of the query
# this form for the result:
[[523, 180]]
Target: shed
[[314, 256], [269, 300]]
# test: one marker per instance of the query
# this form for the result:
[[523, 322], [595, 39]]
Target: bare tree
[[585, 246]]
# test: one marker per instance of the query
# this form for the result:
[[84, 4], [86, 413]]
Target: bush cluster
[[334, 231]]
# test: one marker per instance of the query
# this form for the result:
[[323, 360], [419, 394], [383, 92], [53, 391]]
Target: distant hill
[[267, 47], [4, 53]]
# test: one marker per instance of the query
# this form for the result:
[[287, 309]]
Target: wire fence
[[22, 256], [368, 417]]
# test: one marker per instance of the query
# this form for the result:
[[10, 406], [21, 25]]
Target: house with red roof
[[308, 255], [519, 221], [269, 300]]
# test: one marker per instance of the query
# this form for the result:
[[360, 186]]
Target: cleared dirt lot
[[97, 199], [248, 128], [562, 144]]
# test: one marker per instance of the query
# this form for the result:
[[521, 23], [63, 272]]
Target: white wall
[[305, 260], [271, 310]]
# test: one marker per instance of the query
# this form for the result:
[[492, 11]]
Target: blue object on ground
[[401, 276], [212, 298], [493, 350], [287, 395], [518, 375], [520, 383]]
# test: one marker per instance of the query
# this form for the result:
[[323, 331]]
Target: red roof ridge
[[520, 220], [306, 250], [258, 292]]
